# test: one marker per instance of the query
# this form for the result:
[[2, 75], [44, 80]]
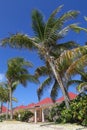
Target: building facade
[[41, 108]]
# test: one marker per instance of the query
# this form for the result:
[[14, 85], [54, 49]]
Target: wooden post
[[35, 115], [43, 115]]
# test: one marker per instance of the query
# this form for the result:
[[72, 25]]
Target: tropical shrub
[[3, 117], [24, 115], [76, 114], [55, 112]]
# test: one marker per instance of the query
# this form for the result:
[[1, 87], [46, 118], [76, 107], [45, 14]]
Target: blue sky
[[15, 16]]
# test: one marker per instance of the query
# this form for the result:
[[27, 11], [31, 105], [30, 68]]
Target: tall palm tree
[[46, 39], [18, 73]]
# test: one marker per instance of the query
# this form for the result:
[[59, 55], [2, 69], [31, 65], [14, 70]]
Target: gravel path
[[31, 126]]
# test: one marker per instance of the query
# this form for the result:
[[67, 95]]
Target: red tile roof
[[30, 105], [71, 96], [19, 107], [44, 102], [4, 109], [47, 101], [24, 107]]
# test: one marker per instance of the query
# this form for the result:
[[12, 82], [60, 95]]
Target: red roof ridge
[[30, 105], [71, 96], [45, 101]]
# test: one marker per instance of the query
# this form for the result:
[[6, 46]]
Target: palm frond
[[38, 24], [77, 66], [14, 99], [56, 50], [71, 82], [18, 41], [70, 56], [54, 28], [25, 78], [19, 62], [69, 15], [45, 85], [69, 45], [14, 85], [54, 91], [77, 29], [82, 86], [73, 27], [83, 75], [42, 71], [33, 79], [51, 21]]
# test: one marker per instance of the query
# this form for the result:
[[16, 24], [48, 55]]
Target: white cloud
[[2, 77]]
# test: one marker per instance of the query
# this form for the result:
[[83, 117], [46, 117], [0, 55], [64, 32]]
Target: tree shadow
[[80, 128], [47, 124]]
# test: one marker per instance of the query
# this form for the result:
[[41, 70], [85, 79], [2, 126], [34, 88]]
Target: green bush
[[76, 114], [24, 115], [55, 112], [3, 117]]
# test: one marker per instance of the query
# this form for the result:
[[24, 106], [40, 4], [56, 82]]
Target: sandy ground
[[31, 126]]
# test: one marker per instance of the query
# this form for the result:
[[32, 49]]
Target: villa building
[[40, 109]]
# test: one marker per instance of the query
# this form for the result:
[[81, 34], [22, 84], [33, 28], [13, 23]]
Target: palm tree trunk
[[53, 66], [58, 78], [7, 110], [11, 111], [1, 107]]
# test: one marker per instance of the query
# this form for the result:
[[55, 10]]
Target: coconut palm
[[4, 95], [17, 73], [46, 39]]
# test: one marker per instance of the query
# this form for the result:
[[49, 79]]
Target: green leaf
[[77, 28], [54, 91], [43, 87], [38, 24], [18, 41]]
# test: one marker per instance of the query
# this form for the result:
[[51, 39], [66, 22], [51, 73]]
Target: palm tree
[[4, 95], [46, 39], [17, 73]]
